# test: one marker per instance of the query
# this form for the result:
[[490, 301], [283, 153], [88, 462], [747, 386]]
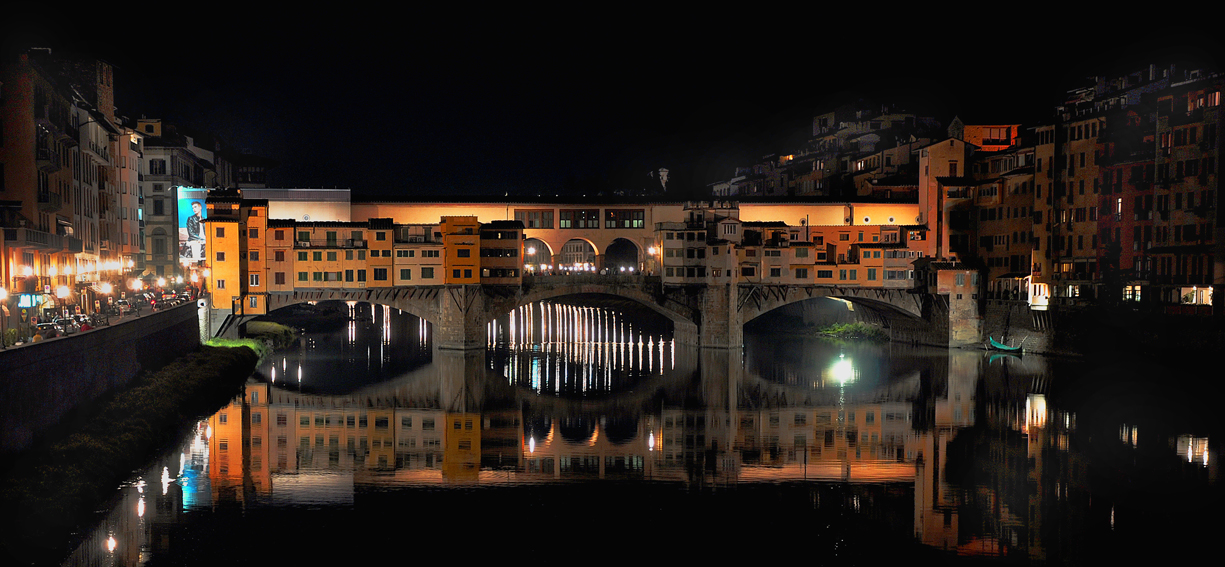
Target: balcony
[[47, 160], [49, 202], [330, 243], [29, 238]]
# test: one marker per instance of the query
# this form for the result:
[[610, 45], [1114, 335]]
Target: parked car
[[123, 306], [49, 330], [85, 322], [68, 326]]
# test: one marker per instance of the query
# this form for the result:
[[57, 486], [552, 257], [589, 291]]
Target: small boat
[[1001, 346]]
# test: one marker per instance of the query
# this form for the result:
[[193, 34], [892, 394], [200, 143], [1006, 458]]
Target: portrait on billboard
[[191, 229]]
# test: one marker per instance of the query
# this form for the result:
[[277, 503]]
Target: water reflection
[[965, 452], [576, 350]]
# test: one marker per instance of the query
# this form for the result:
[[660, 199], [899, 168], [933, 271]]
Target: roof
[[882, 245], [505, 224], [957, 180], [763, 224]]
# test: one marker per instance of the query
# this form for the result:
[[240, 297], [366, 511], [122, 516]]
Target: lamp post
[[4, 317]]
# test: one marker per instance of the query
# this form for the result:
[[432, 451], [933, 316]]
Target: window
[[317, 256], [254, 280], [361, 275], [455, 274], [776, 272], [380, 274], [535, 218], [279, 255], [380, 235], [254, 255], [221, 256], [624, 219], [464, 253], [301, 276], [302, 256], [221, 232], [279, 278], [331, 256], [406, 274], [253, 232], [220, 284], [253, 302], [584, 218], [427, 273]]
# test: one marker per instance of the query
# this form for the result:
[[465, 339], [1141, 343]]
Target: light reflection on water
[[960, 451]]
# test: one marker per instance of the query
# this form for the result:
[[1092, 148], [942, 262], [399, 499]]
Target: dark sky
[[422, 105]]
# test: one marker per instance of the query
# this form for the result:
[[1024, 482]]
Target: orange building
[[461, 245]]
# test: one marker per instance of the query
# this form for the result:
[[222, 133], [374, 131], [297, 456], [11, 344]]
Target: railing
[[50, 202], [47, 160], [561, 278], [330, 243], [25, 237]]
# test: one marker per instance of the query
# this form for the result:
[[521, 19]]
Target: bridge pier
[[462, 318], [720, 324]]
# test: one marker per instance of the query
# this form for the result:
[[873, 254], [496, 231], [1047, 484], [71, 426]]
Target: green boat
[[1001, 346]]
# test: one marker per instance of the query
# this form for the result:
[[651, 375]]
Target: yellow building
[[235, 251], [461, 244]]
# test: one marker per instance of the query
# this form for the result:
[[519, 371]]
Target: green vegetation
[[49, 487], [854, 332], [279, 335], [262, 337]]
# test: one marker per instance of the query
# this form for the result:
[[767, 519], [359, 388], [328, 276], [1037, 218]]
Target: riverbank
[[49, 489]]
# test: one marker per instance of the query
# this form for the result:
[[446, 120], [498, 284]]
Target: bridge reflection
[[711, 426]]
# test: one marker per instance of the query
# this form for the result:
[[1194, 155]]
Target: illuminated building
[[177, 161], [59, 146], [461, 247]]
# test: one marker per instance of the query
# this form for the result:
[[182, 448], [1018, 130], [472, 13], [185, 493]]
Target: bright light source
[[843, 371]]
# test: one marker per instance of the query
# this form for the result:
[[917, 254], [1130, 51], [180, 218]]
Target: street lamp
[[4, 317]]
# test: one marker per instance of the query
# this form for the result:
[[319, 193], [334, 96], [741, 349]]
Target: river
[[587, 434]]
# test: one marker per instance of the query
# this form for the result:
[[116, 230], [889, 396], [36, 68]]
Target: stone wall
[[41, 382]]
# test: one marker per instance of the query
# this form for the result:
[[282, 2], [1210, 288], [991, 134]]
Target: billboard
[[192, 213]]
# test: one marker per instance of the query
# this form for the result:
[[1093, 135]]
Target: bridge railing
[[561, 279]]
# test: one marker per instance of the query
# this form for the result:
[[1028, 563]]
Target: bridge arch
[[757, 300], [622, 254], [419, 302], [536, 254], [578, 252]]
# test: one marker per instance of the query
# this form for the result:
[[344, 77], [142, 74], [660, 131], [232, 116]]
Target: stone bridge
[[703, 315]]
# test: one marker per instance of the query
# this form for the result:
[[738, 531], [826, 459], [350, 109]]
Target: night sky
[[424, 106]]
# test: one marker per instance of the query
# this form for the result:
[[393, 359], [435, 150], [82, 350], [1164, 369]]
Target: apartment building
[[60, 199]]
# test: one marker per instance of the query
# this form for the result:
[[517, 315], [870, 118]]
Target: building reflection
[[993, 464]]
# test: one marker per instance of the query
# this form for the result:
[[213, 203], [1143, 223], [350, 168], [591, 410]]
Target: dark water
[[582, 437]]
